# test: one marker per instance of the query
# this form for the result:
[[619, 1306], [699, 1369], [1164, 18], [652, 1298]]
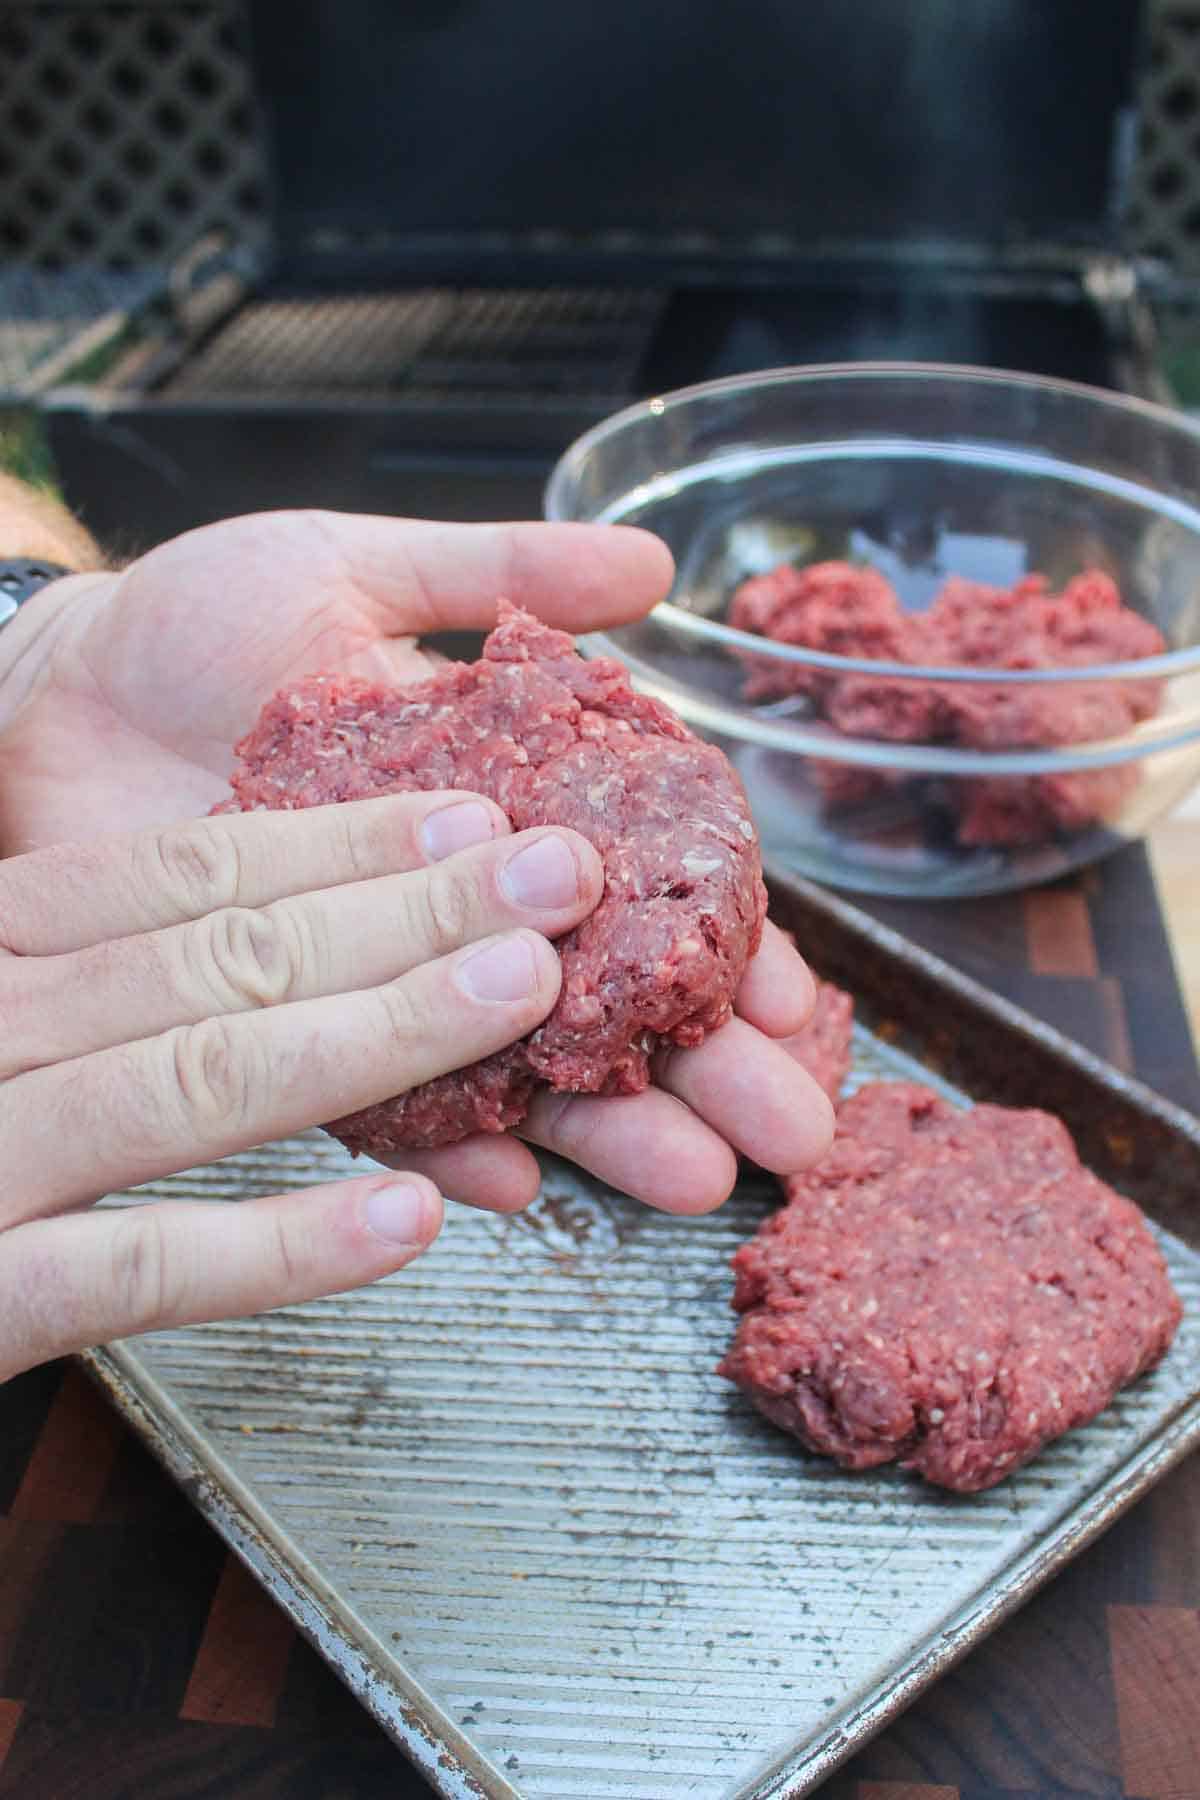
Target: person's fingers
[[668, 1149], [754, 1095], [334, 941], [648, 1145], [777, 992], [106, 1122], [420, 576], [73, 895], [72, 1282], [491, 1171]]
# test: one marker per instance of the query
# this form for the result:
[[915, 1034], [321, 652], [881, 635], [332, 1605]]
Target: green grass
[[24, 451]]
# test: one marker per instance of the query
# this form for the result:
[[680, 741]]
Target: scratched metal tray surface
[[507, 1497]]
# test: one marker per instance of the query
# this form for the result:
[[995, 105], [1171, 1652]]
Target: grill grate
[[291, 346], [467, 342], [582, 341]]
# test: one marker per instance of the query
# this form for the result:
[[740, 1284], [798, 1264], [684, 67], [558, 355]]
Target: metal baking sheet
[[506, 1496]]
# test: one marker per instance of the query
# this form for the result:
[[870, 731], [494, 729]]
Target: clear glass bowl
[[922, 472]]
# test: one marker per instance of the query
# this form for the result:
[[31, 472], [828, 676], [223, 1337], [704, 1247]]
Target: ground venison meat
[[1030, 809], [823, 1047], [554, 740], [835, 607], [1029, 627], [853, 611], [947, 1290]]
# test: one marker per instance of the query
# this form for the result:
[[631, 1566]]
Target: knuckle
[[569, 1125], [22, 1008], [8, 914], [288, 1268], [141, 1283], [361, 841], [213, 1077], [254, 957], [317, 520], [449, 907], [403, 1019], [198, 866]]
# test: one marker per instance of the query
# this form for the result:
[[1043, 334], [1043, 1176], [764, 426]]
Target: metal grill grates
[[581, 341], [303, 346], [125, 133], [469, 342]]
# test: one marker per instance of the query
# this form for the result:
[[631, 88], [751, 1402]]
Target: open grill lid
[[693, 140]]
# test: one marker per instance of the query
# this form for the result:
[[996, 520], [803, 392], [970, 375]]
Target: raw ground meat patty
[[853, 611], [554, 740], [947, 1290], [823, 1047]]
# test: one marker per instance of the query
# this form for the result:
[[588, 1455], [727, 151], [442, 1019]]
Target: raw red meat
[[947, 1290], [853, 611], [823, 1047], [836, 607], [1030, 809], [554, 740]]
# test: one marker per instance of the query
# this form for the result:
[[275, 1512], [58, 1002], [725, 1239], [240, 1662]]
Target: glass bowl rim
[[810, 737], [689, 624]]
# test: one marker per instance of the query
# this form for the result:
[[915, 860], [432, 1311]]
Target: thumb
[[78, 1280]]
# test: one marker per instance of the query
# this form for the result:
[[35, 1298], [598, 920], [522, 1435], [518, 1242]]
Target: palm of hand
[[167, 665]]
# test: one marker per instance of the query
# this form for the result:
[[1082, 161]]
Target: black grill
[[490, 224]]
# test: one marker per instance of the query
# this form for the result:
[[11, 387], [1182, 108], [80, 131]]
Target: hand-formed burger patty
[[823, 1047], [554, 740], [947, 1290]]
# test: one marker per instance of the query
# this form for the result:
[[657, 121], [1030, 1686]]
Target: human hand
[[173, 997], [121, 696]]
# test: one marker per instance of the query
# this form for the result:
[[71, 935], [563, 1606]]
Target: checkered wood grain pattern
[[1090, 956], [138, 1661]]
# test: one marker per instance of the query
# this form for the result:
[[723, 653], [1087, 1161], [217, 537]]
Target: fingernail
[[456, 827], [504, 970], [545, 875], [397, 1214]]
